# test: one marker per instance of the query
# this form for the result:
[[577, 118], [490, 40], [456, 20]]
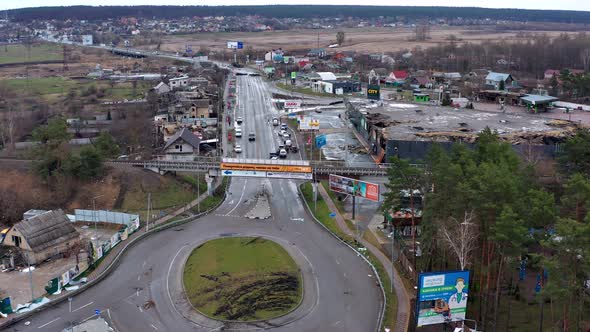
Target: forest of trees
[[485, 210], [300, 11], [532, 56]]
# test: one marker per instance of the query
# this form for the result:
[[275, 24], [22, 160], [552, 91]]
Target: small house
[[495, 80], [183, 145], [178, 82], [43, 236], [161, 88]]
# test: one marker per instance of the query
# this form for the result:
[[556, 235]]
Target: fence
[[106, 217]]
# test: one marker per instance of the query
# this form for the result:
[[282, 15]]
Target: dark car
[[251, 137]]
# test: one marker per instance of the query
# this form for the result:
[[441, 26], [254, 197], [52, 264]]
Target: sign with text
[[344, 185], [320, 141], [307, 123], [373, 92], [235, 44], [442, 297], [292, 104], [265, 168], [293, 75]]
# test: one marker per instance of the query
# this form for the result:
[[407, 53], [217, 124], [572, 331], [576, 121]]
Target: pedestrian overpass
[[263, 168]]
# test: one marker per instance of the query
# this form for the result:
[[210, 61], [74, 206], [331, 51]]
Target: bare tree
[[461, 237], [585, 56], [340, 38]]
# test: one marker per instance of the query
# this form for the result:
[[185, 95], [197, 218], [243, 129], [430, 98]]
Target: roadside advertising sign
[[264, 168], [307, 123], [344, 185], [442, 297], [292, 104], [373, 92]]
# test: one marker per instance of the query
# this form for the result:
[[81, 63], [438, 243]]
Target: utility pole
[[149, 205]]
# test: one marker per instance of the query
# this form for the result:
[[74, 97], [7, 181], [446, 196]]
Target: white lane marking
[[337, 261], [109, 313], [168, 279], [242, 196], [42, 326], [155, 328], [84, 306], [138, 277], [140, 310]]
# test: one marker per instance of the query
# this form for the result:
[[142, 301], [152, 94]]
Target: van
[[275, 121], [238, 132]]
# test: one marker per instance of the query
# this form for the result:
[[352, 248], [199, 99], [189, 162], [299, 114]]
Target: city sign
[[235, 44], [344, 185], [442, 297], [373, 92], [265, 168], [292, 104]]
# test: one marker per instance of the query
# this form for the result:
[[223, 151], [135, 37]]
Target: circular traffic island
[[242, 279]]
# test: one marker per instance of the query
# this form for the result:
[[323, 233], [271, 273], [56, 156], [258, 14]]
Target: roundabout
[[242, 279]]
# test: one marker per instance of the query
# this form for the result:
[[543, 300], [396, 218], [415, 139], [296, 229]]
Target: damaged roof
[[434, 123], [46, 230]]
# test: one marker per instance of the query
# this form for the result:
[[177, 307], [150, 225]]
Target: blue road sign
[[97, 312], [320, 141], [332, 215], [227, 172], [240, 45]]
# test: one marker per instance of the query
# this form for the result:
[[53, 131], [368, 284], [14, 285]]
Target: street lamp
[[94, 210]]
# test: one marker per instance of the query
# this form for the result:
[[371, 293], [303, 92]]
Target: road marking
[[139, 307], [155, 328], [139, 276], [87, 318], [42, 326], [337, 261], [168, 279], [84, 306], [109, 313], [241, 197]]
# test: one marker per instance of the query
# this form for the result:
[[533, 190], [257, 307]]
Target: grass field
[[54, 87], [39, 52], [242, 279]]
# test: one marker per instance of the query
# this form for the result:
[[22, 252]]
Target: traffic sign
[[97, 312], [265, 168], [254, 174], [289, 175]]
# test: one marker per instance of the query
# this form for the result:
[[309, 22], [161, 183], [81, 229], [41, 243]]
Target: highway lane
[[349, 299]]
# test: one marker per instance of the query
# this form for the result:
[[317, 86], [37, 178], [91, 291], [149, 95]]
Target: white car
[[238, 148], [286, 136], [240, 120]]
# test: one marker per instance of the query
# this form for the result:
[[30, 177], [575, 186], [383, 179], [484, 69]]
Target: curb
[[384, 304], [114, 263]]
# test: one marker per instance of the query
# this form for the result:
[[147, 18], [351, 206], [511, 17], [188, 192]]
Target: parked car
[[251, 136], [238, 148]]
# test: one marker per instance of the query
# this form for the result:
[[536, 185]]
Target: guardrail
[[113, 264]]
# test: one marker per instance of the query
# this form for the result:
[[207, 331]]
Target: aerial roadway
[[341, 294]]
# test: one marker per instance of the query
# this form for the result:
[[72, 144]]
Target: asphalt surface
[[136, 296]]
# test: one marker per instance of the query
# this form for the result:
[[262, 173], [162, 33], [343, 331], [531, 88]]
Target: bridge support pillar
[[209, 181]]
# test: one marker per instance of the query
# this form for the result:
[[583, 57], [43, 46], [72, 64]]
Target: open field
[[51, 88], [242, 278], [365, 40], [18, 53]]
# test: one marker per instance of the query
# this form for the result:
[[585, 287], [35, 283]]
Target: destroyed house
[[43, 236]]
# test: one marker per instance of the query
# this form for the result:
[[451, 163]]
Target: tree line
[[485, 210], [298, 11]]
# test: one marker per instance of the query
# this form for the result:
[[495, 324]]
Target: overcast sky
[[528, 4]]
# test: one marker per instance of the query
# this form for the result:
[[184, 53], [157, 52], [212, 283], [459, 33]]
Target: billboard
[[307, 123], [442, 297], [320, 141], [373, 92], [344, 185], [292, 103], [235, 44]]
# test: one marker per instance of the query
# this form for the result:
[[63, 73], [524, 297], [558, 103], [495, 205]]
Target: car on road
[[238, 148], [274, 155], [275, 121], [251, 136], [239, 120], [283, 153], [286, 136], [288, 143], [238, 132], [254, 74], [283, 126]]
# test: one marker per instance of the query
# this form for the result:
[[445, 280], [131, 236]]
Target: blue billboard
[[320, 141], [442, 297]]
